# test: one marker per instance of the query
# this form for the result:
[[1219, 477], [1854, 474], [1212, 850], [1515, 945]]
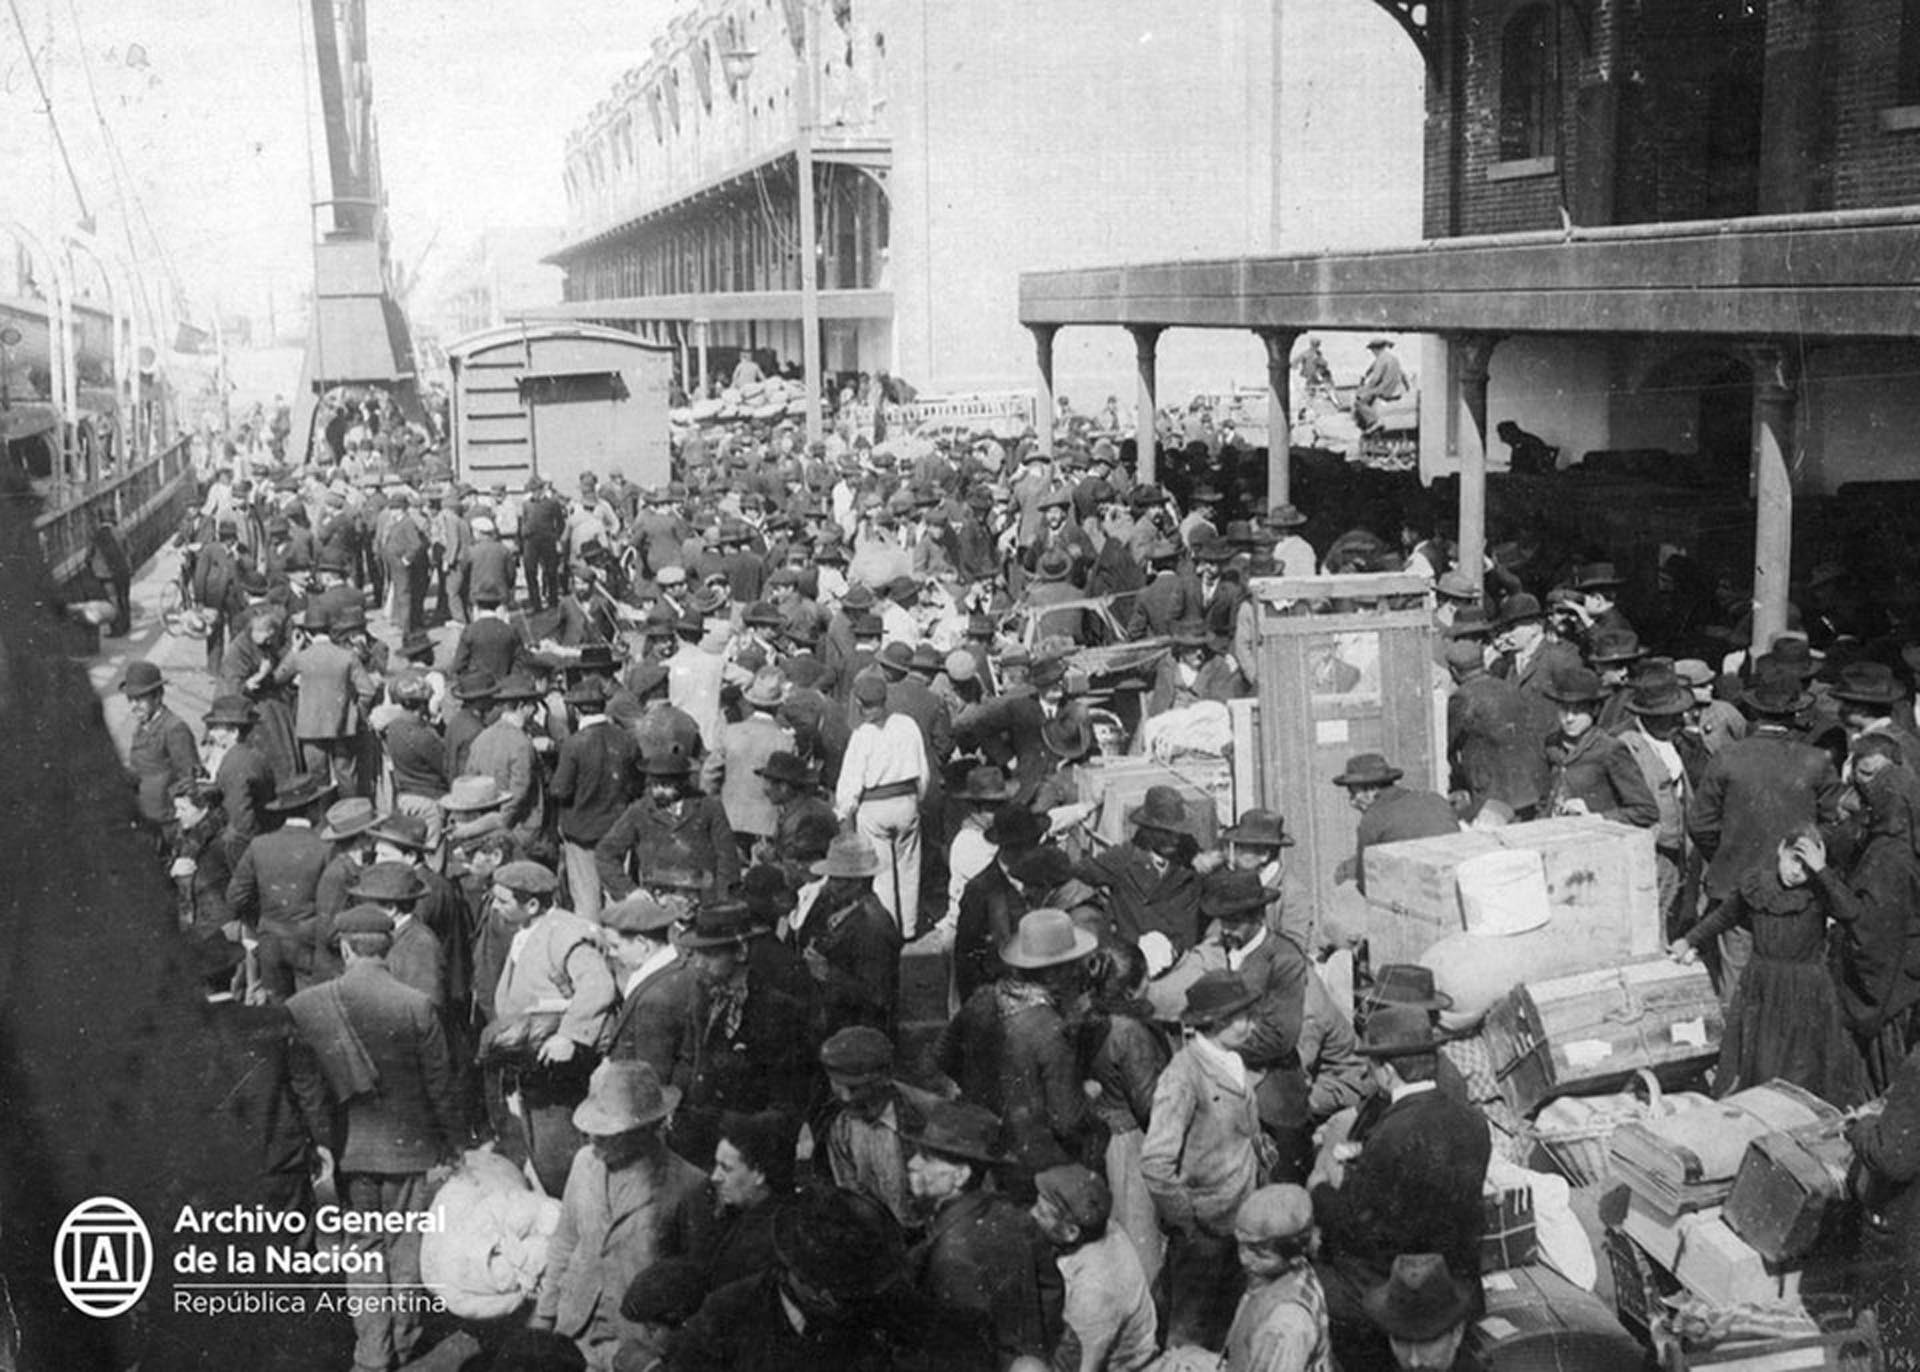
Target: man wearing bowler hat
[[1422, 1309], [276, 883], [670, 822], [1413, 1186], [372, 1074], [1204, 1155], [1152, 890], [748, 1048], [1389, 812], [162, 751], [1529, 656], [981, 1252], [1589, 771], [629, 1202], [240, 769], [793, 790], [416, 957]]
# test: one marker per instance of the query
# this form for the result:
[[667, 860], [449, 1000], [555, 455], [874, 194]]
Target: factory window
[[1529, 94]]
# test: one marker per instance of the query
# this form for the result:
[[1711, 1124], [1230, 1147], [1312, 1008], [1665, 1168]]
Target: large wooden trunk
[[1537, 1318], [1790, 1196], [1688, 1161], [1592, 1031]]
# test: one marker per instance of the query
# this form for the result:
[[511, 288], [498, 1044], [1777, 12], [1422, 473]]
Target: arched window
[[1529, 84]]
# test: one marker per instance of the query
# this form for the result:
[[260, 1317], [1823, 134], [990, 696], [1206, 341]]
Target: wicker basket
[[1579, 1149]]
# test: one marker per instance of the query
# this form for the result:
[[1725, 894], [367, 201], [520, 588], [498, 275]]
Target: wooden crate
[[1383, 625]]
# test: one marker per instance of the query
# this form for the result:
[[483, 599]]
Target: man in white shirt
[[882, 779]]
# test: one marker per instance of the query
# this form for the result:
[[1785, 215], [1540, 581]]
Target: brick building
[[1663, 227]]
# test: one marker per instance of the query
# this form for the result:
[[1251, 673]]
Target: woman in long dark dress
[[1785, 1020], [1877, 962]]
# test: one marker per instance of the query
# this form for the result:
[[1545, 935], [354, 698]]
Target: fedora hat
[[1610, 646], [349, 818], [1419, 1301], [1457, 585], [1662, 694], [1163, 808], [300, 791], [1472, 622], [589, 692], [767, 689], [1190, 633], [1046, 938], [1593, 576], [723, 924], [1406, 983], [1693, 672], [1068, 735], [478, 684], [393, 882], [623, 1096], [1214, 549], [988, 784], [838, 1243], [1216, 997], [1776, 693], [1259, 828], [1285, 517], [347, 619], [1519, 608], [142, 679], [473, 793], [403, 831], [762, 614], [1016, 827], [1868, 683], [1056, 564], [417, 643], [787, 767], [1203, 494], [849, 855], [1234, 896], [1396, 1031], [958, 1129], [516, 686], [896, 659], [927, 658], [1574, 686], [1045, 672], [1240, 533], [237, 711], [1368, 769], [1793, 653]]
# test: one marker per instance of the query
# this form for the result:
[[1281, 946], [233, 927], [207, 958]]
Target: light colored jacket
[[1201, 1159], [612, 1228]]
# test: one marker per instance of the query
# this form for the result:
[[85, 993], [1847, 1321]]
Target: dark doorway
[[1726, 419], [1690, 129]]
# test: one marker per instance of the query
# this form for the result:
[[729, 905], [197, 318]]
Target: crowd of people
[[622, 869]]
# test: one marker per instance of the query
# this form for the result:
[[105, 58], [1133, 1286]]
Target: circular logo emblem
[[103, 1257]]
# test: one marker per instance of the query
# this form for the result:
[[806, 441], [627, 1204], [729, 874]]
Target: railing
[[145, 503]]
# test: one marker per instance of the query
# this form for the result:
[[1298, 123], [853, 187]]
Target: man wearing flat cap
[[557, 962], [863, 1148], [372, 1073], [1281, 1324], [655, 982], [1108, 1321]]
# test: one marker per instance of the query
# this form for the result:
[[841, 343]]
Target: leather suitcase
[[1591, 1032], [1537, 1318], [1688, 1160], [1790, 1196]]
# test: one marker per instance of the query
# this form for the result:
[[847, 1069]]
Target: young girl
[[1785, 1019]]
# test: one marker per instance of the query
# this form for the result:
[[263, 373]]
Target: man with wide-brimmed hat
[[1655, 736], [1529, 654], [240, 770], [162, 751], [276, 882], [981, 1252], [1413, 1186], [1589, 771], [669, 821], [416, 957], [371, 1067], [1423, 1310], [801, 815], [1614, 653], [1204, 1155], [1867, 695], [732, 769], [504, 750], [849, 941], [749, 1045], [1008, 1048], [1495, 733], [629, 1202], [1153, 893], [1389, 812]]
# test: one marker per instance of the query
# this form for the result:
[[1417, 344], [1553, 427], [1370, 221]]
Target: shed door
[[496, 421]]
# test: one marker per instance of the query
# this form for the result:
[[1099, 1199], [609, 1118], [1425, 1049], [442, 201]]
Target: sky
[[473, 98]]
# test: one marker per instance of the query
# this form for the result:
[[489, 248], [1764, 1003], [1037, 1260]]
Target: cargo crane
[[359, 337]]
